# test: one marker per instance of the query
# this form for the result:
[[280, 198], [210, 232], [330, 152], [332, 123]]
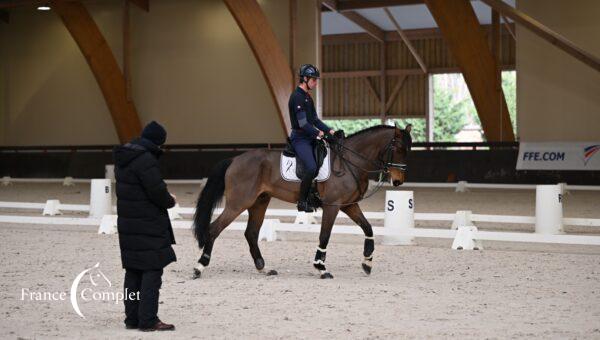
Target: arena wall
[[192, 70], [557, 95]]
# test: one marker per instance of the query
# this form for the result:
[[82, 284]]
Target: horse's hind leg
[[353, 211], [216, 227], [256, 216]]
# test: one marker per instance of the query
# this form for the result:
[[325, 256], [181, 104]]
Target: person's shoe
[[131, 326], [159, 326], [304, 206]]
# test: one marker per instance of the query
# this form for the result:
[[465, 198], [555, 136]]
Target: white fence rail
[[458, 186], [398, 218]]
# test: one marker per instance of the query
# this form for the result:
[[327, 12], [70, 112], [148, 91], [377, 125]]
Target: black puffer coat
[[145, 231]]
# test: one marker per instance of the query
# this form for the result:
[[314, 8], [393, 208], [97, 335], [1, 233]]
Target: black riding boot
[[303, 204]]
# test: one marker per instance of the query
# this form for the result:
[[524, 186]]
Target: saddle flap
[[292, 168]]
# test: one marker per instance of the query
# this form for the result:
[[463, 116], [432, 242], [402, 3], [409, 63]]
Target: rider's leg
[[304, 150]]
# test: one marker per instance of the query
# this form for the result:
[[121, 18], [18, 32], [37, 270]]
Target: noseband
[[388, 157]]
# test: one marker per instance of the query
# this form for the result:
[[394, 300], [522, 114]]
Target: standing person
[[145, 232], [306, 127]]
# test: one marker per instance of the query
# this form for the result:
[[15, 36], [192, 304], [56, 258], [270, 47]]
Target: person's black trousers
[[143, 312]]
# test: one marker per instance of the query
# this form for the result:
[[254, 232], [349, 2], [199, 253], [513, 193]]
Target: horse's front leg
[[329, 215], [353, 211]]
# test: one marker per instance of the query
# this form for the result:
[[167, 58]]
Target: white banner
[[559, 156]]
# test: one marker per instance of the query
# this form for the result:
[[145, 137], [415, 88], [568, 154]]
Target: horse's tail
[[208, 199]]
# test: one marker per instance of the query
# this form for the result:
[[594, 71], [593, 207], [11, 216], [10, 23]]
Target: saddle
[[319, 150]]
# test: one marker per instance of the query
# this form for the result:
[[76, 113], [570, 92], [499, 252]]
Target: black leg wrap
[[319, 261], [204, 259], [369, 247]]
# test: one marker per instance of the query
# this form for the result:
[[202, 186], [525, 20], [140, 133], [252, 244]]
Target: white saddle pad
[[288, 168]]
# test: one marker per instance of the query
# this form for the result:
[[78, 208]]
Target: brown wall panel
[[350, 97]]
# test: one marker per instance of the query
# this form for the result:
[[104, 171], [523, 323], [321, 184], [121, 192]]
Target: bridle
[[382, 166]]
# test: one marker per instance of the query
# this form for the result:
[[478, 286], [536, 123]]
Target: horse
[[249, 181]]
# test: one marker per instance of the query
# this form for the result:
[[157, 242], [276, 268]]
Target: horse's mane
[[372, 128]]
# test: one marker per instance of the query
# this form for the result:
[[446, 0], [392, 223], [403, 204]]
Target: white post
[[6, 180], [548, 209], [399, 216], [109, 172], [108, 225], [174, 212], [52, 208], [462, 219], [100, 198], [68, 181], [461, 186], [267, 230]]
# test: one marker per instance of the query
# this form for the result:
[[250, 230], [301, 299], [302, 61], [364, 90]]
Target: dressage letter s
[[410, 203], [390, 205]]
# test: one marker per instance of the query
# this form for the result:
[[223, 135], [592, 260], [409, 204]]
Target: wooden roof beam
[[372, 29], [349, 5], [465, 39], [103, 64], [268, 53], [544, 32], [143, 4], [404, 38]]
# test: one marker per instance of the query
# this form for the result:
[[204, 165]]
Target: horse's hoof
[[197, 274], [326, 275], [272, 272], [366, 268], [259, 263]]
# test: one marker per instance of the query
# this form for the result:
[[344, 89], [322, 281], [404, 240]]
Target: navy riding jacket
[[303, 116]]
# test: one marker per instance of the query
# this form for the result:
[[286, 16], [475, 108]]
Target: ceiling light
[[43, 8]]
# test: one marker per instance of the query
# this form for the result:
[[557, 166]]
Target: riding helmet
[[308, 70]]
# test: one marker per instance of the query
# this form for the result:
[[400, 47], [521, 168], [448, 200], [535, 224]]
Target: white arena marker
[[109, 172], [6, 180], [462, 219], [174, 212], [100, 198], [68, 181], [51, 208], [267, 231], [108, 225], [563, 188], [465, 239], [399, 216], [461, 186], [304, 218], [548, 210]]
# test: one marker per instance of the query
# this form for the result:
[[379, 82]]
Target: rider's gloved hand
[[331, 138]]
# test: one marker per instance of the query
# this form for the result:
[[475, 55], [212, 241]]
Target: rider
[[306, 128]]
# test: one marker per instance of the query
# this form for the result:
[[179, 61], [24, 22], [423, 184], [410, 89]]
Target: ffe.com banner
[[559, 156]]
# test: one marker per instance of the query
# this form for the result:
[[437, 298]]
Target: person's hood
[[126, 153]]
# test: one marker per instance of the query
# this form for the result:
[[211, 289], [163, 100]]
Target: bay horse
[[248, 181]]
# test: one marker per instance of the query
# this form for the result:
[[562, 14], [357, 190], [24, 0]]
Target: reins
[[383, 168]]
